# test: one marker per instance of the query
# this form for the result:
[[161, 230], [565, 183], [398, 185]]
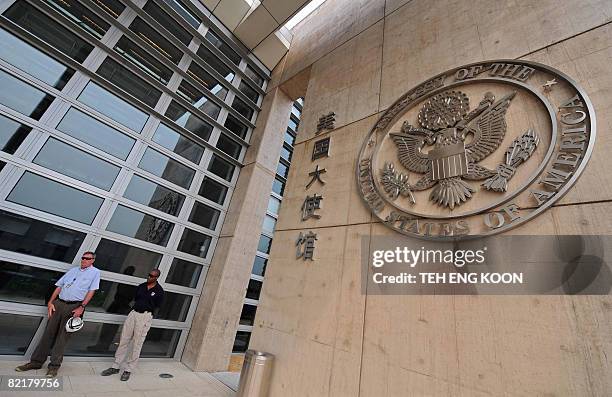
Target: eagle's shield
[[448, 161]]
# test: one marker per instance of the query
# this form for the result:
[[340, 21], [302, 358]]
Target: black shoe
[[27, 367], [110, 371], [52, 372], [125, 376]]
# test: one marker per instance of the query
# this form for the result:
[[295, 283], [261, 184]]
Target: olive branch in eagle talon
[[445, 123], [395, 183]]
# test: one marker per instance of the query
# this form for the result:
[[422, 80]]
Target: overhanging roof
[[258, 24]]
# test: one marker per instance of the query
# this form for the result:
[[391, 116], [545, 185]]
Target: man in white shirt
[[72, 293]]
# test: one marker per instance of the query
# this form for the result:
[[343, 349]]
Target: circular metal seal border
[[389, 119]]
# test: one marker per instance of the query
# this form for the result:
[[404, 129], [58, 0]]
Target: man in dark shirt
[[149, 296]]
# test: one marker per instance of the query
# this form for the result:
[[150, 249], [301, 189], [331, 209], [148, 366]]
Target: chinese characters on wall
[[312, 203]]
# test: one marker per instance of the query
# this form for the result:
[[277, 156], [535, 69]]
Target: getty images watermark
[[459, 258], [496, 265]]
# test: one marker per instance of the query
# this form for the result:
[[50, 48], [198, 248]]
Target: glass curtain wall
[[251, 300], [121, 132]]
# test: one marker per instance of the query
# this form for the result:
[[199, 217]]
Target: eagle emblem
[[460, 139]]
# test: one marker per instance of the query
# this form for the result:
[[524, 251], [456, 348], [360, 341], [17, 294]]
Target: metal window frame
[[20, 162]]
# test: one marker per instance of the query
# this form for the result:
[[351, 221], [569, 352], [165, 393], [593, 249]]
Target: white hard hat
[[74, 324]]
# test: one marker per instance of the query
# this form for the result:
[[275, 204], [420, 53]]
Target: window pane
[[185, 119], [26, 284], [184, 273], [45, 195], [213, 190], [46, 29], [156, 40], [286, 153], [194, 243], [278, 187], [115, 298], [128, 82], [136, 224], [112, 298], [273, 205], [198, 100], [249, 91], [153, 195], [174, 307], [241, 343], [264, 245], [81, 16], [254, 289], [221, 168], [236, 126], [247, 317], [160, 342], [203, 215], [289, 138], [12, 134], [216, 63], [113, 7], [167, 168], [17, 333], [242, 108], [32, 61], [293, 125], [95, 340], [139, 57], [167, 22], [125, 259], [95, 133], [229, 146], [183, 11], [22, 97], [82, 166], [254, 76], [208, 81], [296, 112], [112, 106], [268, 224], [259, 266], [180, 145], [33, 237], [282, 170], [224, 48], [101, 340]]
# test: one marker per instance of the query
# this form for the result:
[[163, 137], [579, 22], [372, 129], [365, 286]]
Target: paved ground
[[82, 379]]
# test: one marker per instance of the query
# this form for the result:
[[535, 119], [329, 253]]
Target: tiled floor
[[82, 379]]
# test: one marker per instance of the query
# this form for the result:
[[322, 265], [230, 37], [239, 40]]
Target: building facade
[[124, 128], [144, 131], [329, 337]]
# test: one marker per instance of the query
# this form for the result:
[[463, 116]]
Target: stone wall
[[330, 339]]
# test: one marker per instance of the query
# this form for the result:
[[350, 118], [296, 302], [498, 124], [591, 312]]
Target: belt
[[68, 302]]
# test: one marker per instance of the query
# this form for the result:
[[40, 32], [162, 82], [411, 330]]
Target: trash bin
[[255, 375]]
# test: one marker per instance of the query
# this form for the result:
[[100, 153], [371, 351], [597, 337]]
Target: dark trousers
[[55, 336]]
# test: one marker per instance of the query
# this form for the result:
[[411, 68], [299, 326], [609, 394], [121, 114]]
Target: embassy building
[[258, 167]]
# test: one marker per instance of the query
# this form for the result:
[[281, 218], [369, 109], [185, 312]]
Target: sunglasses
[[87, 258]]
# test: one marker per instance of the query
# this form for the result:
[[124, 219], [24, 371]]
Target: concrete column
[[210, 340]]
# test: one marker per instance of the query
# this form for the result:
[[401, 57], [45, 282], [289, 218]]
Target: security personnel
[[149, 297], [75, 289]]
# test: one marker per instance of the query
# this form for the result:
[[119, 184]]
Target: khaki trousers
[[135, 331]]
